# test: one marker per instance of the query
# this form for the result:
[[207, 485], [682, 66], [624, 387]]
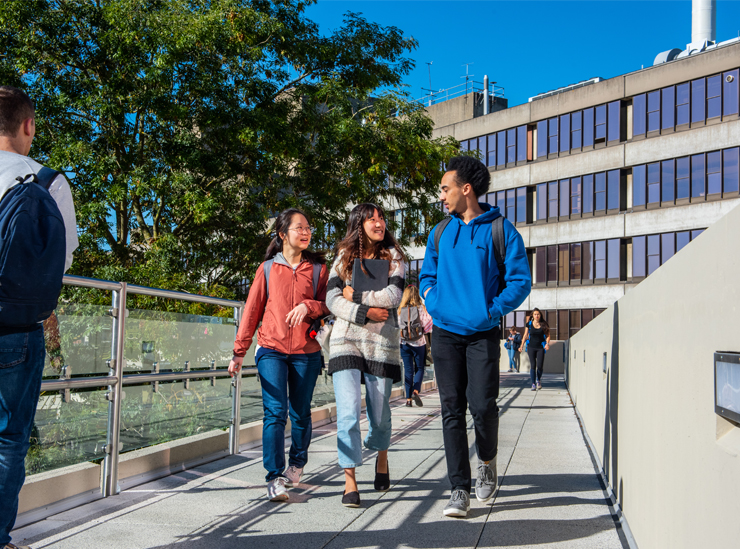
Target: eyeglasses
[[306, 230]]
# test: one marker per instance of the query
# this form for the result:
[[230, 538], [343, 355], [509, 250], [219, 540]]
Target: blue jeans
[[413, 365], [349, 403], [512, 354], [287, 383], [21, 365]]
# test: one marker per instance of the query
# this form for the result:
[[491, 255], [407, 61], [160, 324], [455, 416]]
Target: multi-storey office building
[[608, 180]]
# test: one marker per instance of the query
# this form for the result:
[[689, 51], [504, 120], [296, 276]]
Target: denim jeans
[[413, 365], [512, 354], [287, 383], [21, 364], [349, 403]]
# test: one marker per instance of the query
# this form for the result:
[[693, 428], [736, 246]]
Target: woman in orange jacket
[[288, 293]]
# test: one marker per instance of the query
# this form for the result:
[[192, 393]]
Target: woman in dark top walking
[[537, 337]]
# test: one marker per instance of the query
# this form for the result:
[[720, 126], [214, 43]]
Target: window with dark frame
[[600, 260], [552, 128], [552, 263], [588, 127], [521, 205], [653, 111], [667, 181], [552, 200], [714, 174], [491, 160], [588, 194], [575, 196], [714, 97], [639, 182], [501, 149], [730, 182], [563, 263], [541, 265], [730, 103], [613, 189], [639, 269], [698, 98], [575, 130], [614, 125], [587, 261], [683, 110], [600, 192], [600, 124], [653, 253], [542, 202], [683, 174], [653, 183], [521, 144], [668, 108], [639, 114], [613, 263], [565, 197], [542, 139], [564, 133], [667, 246], [575, 262], [511, 146], [575, 322], [511, 205], [698, 183]]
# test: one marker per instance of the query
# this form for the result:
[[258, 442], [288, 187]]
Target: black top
[[536, 336]]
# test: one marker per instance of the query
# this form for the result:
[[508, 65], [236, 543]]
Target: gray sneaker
[[459, 504], [485, 484]]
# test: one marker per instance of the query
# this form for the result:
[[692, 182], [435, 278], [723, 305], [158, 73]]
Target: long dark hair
[[352, 245], [543, 323], [281, 227]]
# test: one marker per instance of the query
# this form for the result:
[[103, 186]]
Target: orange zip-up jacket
[[288, 289]]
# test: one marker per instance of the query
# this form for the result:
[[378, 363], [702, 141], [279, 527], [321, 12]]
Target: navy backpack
[[32, 251]]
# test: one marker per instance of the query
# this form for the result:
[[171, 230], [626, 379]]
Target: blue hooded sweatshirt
[[463, 278]]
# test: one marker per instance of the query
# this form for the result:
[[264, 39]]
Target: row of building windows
[[651, 251], [696, 103], [691, 178], [605, 261], [691, 104], [563, 323], [591, 194]]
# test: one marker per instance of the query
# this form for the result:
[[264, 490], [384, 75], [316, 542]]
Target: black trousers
[[536, 361], [467, 371]]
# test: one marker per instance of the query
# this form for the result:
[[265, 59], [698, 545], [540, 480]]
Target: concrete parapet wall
[[673, 464]]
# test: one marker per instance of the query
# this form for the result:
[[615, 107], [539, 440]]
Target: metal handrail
[[115, 380], [85, 282], [134, 379]]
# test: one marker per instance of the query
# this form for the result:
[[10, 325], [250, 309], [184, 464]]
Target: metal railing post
[[236, 400], [115, 393]]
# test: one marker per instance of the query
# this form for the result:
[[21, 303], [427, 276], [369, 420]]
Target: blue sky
[[530, 47]]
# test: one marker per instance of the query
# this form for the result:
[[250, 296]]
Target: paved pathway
[[549, 495]]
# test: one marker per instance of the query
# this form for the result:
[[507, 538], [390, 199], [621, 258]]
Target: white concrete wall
[[672, 462]]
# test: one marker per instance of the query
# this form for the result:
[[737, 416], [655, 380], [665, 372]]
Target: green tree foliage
[[184, 126]]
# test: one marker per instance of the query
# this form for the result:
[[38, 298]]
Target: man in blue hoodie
[[460, 284]]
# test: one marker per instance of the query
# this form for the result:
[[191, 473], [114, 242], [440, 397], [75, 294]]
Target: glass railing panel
[[70, 428], [153, 414], [78, 344], [164, 341]]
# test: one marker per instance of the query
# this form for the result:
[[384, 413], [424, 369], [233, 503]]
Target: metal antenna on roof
[[467, 76], [431, 92]]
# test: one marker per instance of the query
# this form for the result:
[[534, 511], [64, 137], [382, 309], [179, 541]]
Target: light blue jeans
[[349, 403]]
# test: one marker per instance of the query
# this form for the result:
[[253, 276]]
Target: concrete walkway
[[549, 495]]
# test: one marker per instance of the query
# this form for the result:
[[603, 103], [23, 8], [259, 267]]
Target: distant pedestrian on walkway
[[415, 322], [537, 338], [36, 244], [364, 345], [475, 271], [513, 341], [289, 291]]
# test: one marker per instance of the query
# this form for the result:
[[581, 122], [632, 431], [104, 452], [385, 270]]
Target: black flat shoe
[[417, 399], [408, 404], [382, 480], [351, 500]]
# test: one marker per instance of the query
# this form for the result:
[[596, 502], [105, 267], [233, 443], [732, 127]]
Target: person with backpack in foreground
[[475, 271], [415, 322], [537, 340], [364, 345], [288, 292], [38, 233]]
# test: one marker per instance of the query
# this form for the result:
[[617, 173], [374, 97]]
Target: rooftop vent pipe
[[703, 31], [703, 23]]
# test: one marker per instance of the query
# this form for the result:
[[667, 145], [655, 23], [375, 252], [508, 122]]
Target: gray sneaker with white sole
[[485, 484], [459, 504]]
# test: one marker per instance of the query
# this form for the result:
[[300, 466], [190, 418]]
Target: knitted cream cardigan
[[358, 342]]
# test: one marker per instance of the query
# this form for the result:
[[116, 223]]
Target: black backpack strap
[[46, 177], [316, 276], [499, 250], [266, 268], [438, 230]]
